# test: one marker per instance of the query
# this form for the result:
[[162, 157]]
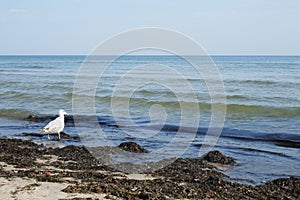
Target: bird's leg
[[58, 135], [48, 137]]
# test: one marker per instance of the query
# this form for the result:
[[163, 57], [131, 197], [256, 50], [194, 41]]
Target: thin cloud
[[17, 11]]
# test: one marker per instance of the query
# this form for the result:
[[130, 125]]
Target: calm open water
[[262, 121]]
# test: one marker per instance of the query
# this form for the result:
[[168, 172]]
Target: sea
[[150, 99]]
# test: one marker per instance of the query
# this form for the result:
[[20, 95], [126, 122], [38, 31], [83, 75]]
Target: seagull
[[57, 125]]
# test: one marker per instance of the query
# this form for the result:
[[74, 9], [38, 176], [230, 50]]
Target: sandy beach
[[32, 171]]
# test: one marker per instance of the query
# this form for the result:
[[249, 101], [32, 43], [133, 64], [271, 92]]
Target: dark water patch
[[171, 128], [287, 143], [280, 139], [43, 118], [62, 134], [248, 149], [47, 118], [83, 120]]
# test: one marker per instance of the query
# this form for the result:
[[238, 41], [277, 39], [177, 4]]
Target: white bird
[[57, 125]]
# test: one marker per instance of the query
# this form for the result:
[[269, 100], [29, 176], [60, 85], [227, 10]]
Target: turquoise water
[[262, 100]]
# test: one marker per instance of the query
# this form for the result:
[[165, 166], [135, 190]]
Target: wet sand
[[32, 171]]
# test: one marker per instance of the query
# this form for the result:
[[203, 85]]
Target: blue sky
[[239, 27]]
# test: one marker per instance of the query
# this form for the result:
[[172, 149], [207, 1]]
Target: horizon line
[[151, 55]]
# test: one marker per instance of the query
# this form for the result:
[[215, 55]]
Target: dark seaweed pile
[[217, 157], [184, 178], [132, 147]]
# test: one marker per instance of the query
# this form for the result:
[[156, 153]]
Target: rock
[[133, 147], [218, 157]]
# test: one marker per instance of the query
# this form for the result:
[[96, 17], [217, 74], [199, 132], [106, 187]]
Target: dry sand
[[26, 188]]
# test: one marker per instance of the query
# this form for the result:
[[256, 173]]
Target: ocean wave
[[241, 109], [258, 110], [35, 67], [15, 113], [236, 104], [256, 82], [15, 95], [262, 82]]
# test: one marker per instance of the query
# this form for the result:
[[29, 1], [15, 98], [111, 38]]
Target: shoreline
[[30, 170]]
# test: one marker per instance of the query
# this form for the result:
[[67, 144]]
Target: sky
[[221, 27]]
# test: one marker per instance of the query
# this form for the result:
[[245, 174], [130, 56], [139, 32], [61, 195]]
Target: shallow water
[[262, 98]]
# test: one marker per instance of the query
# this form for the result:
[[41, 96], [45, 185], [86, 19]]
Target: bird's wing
[[54, 125]]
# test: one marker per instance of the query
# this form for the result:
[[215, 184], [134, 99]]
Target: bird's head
[[61, 112]]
